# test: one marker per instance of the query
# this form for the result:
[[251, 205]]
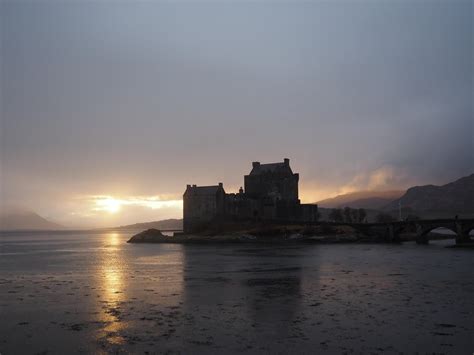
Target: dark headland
[[256, 234], [420, 231]]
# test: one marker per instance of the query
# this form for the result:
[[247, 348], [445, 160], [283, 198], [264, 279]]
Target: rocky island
[[277, 234], [283, 234]]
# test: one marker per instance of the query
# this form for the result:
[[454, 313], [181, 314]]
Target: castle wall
[[240, 207], [271, 194], [282, 185], [202, 207]]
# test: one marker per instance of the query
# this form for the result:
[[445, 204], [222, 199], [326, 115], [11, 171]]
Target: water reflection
[[242, 296], [111, 269], [139, 286], [113, 239], [111, 283], [113, 297]]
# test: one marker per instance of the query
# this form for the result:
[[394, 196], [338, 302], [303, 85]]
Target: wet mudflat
[[93, 293]]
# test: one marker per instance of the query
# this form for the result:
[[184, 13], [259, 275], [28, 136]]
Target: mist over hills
[[361, 199], [164, 224], [25, 220], [430, 201], [427, 201]]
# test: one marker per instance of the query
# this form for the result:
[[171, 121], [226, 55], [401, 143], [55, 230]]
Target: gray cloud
[[128, 99]]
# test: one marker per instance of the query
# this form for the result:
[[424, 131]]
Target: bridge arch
[[425, 231], [423, 228], [409, 227], [360, 228], [469, 230]]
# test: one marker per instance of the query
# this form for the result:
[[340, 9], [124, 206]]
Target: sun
[[109, 204]]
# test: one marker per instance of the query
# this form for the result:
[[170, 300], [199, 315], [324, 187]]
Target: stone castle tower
[[270, 194]]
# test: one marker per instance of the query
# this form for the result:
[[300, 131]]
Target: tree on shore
[[336, 215], [317, 216], [347, 215], [355, 215], [361, 215], [384, 218]]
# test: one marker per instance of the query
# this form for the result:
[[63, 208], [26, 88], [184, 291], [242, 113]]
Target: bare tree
[[355, 215], [362, 215], [347, 215], [336, 215], [384, 218]]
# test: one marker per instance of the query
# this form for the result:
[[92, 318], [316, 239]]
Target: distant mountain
[[163, 224], [25, 220], [432, 201], [361, 199]]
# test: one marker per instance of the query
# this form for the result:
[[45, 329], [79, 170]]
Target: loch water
[[91, 292]]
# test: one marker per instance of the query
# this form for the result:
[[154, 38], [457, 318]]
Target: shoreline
[[153, 236]]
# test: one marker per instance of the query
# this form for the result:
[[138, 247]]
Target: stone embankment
[[155, 236]]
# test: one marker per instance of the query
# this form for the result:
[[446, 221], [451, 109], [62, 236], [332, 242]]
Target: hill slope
[[163, 224], [361, 199], [439, 201], [25, 220]]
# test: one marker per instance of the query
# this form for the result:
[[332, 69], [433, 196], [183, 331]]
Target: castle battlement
[[270, 193]]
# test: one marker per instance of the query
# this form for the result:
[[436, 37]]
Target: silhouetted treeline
[[387, 217], [348, 215], [384, 218]]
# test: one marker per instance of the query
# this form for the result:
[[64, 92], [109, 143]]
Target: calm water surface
[[71, 292]]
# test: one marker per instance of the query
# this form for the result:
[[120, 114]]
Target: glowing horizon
[[113, 205], [110, 109]]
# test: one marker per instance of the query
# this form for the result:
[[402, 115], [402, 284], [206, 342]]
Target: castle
[[270, 194]]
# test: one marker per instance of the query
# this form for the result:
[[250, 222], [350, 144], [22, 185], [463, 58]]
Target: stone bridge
[[392, 230]]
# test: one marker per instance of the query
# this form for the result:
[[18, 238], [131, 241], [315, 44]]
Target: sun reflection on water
[[113, 239], [112, 270], [113, 280], [111, 283], [130, 281]]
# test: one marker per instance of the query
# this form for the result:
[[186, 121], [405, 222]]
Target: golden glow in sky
[[108, 204], [113, 205]]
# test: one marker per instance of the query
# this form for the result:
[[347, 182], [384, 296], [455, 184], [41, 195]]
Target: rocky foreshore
[[155, 236], [282, 235]]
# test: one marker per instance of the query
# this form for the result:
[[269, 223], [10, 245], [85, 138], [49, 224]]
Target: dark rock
[[149, 236]]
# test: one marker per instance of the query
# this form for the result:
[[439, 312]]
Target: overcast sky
[[108, 108]]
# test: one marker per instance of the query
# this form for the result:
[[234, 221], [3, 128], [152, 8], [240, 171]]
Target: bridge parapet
[[422, 228], [461, 228], [390, 231]]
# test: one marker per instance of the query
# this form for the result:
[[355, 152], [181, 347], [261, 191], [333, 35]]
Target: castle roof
[[270, 168], [204, 190]]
